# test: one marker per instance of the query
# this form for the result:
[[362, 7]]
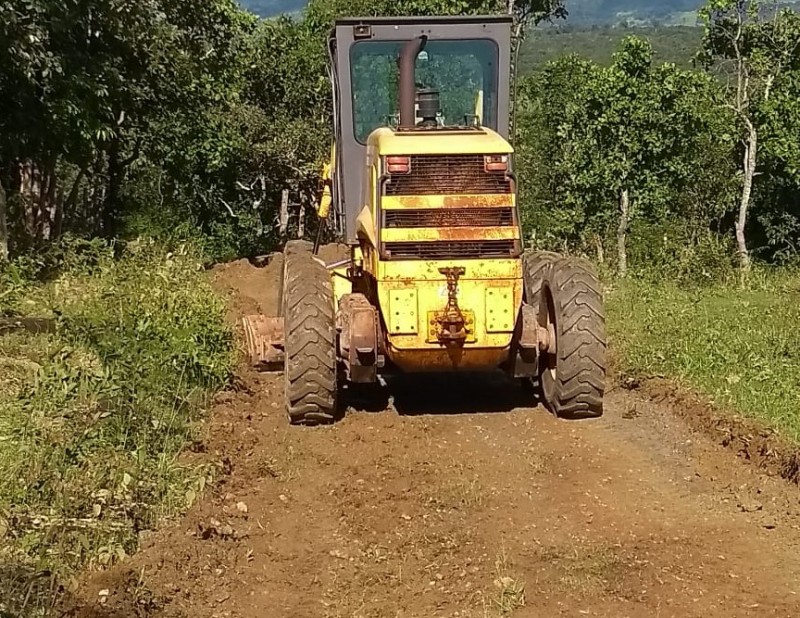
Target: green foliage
[[589, 132], [754, 46], [682, 252], [93, 417], [739, 347]]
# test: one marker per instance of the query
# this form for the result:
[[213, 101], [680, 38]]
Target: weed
[[509, 592], [467, 493]]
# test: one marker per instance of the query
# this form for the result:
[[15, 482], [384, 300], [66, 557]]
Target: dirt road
[[465, 503]]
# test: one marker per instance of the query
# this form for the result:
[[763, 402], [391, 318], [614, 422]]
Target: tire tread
[[310, 339], [579, 384]]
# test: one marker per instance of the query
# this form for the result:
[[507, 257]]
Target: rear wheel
[[310, 340], [572, 371]]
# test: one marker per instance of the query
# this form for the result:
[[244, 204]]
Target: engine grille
[[443, 249], [448, 175], [461, 217]]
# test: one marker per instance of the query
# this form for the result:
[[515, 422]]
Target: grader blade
[[264, 340]]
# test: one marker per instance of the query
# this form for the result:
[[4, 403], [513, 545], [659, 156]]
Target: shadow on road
[[443, 394]]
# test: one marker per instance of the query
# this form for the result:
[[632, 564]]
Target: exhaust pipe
[[408, 85]]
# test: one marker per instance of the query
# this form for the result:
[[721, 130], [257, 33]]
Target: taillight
[[398, 165], [496, 163]]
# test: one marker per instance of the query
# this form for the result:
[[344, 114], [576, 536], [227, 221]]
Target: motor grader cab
[[421, 187]]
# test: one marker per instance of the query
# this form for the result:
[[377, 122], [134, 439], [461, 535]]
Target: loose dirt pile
[[460, 500]]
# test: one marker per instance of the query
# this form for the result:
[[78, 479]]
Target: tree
[[605, 146], [752, 44], [89, 89]]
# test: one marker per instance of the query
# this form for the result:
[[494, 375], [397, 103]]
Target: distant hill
[[678, 44], [632, 12], [270, 8], [582, 12]]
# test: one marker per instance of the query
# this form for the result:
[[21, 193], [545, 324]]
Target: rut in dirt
[[457, 498]]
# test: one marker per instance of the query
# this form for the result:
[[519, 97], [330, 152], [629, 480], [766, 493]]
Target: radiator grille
[[460, 217], [448, 175], [442, 249]]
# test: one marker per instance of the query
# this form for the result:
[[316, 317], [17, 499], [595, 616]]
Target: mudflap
[[264, 341]]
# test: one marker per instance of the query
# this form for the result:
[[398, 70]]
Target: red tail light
[[496, 163], [398, 165]]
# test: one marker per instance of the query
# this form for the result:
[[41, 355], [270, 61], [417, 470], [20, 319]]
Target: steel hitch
[[451, 321]]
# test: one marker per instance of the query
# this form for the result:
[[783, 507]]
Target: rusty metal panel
[[448, 175], [403, 318], [452, 249], [424, 234], [501, 314], [457, 202], [428, 270], [449, 217], [357, 323]]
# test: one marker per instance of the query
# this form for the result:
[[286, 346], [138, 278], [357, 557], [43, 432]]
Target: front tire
[[310, 340], [572, 371]]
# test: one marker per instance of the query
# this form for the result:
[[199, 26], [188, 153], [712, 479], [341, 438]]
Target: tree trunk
[[284, 213], [301, 218], [38, 189], [108, 219], [48, 202], [599, 250], [3, 225], [750, 162], [28, 188], [622, 232], [67, 204]]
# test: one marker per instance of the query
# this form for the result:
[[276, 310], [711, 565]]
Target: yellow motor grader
[[421, 187]]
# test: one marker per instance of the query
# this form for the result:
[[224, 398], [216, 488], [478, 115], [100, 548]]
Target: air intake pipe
[[408, 84]]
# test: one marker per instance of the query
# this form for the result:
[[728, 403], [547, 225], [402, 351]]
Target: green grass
[[739, 347], [94, 417]]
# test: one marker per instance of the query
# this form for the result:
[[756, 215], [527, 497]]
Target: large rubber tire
[[534, 266], [573, 377], [310, 341], [292, 247]]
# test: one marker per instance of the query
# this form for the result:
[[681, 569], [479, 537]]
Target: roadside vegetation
[[141, 140], [740, 347], [95, 413]]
